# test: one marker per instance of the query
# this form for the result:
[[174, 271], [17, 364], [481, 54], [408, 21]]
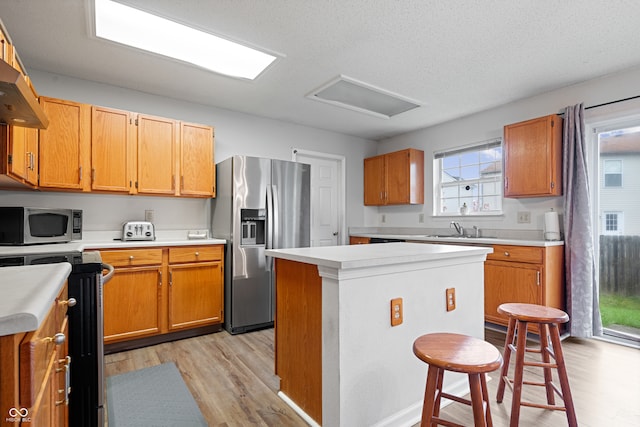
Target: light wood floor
[[231, 378]]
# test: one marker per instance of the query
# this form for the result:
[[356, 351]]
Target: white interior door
[[327, 197]]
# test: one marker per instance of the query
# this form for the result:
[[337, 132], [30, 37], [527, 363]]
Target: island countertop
[[362, 256], [336, 340], [26, 295]]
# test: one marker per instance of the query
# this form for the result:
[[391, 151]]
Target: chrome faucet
[[458, 227]]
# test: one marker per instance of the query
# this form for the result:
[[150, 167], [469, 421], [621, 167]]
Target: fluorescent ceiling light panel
[[358, 96], [123, 24]]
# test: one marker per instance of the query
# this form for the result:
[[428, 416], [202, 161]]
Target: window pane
[[471, 175], [612, 166], [470, 172], [470, 158], [613, 180]]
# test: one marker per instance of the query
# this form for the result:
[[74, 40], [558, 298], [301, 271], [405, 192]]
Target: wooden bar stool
[[547, 319], [458, 353]]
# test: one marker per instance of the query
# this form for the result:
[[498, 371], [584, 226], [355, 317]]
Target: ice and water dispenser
[[252, 222]]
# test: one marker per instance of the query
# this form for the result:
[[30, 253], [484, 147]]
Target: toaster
[[138, 230]]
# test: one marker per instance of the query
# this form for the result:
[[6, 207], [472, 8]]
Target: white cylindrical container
[[551, 226]]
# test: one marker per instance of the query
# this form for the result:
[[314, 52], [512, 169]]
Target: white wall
[[235, 133], [489, 124]]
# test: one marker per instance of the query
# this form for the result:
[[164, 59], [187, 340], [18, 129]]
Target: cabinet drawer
[[132, 257], [528, 254], [195, 254], [37, 350]]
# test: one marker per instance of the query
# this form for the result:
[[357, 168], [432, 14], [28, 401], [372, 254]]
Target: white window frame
[[473, 208]]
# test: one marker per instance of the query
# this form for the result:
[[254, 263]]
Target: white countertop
[[362, 256], [463, 240], [26, 295], [81, 245]]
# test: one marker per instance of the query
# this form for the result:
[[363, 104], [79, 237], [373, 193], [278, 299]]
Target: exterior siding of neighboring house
[[620, 185]]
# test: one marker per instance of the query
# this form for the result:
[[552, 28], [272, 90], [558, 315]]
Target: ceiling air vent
[[349, 93]]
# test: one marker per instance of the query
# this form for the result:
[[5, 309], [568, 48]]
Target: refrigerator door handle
[[275, 239], [269, 237]]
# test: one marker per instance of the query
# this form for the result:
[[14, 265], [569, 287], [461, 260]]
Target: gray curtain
[[581, 281]]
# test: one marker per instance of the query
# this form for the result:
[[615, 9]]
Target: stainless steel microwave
[[31, 226]]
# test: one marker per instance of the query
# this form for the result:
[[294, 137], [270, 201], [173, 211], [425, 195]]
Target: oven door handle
[[110, 271]]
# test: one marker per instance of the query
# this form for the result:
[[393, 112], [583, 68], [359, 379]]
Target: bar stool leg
[[506, 357], [429, 396], [521, 328], [479, 418], [544, 354], [562, 375], [436, 404], [485, 398]]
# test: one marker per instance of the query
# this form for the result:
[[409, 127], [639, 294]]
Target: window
[[612, 223], [612, 173], [470, 175]]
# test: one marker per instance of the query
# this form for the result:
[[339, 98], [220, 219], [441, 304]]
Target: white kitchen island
[[339, 360]]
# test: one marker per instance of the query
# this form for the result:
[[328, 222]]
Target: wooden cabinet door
[[64, 145], [197, 166], [357, 240], [111, 150], [21, 153], [195, 294], [533, 158], [61, 366], [374, 181], [156, 155], [132, 303], [509, 282]]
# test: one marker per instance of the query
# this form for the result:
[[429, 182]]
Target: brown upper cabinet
[[142, 154], [156, 155], [395, 178], [112, 150], [197, 167], [65, 145], [533, 158], [19, 155], [100, 149]]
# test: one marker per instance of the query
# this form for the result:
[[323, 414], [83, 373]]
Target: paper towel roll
[[551, 226]]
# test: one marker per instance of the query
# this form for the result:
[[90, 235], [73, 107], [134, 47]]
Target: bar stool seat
[[457, 353], [547, 320]]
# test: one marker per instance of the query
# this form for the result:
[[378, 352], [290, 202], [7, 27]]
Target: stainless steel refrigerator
[[260, 203]]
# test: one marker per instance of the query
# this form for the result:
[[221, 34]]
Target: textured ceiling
[[454, 57]]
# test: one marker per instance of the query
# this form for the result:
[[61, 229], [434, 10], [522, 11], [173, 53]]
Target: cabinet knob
[[58, 339], [69, 303], [197, 253], [506, 254], [130, 257]]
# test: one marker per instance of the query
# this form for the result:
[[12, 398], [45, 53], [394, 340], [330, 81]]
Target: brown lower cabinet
[[525, 274], [158, 290], [32, 374], [357, 240]]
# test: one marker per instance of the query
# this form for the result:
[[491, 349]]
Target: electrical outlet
[[451, 299], [148, 215], [524, 217], [383, 218], [396, 311], [421, 218]]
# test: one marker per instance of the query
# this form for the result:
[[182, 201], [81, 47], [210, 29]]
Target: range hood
[[18, 104]]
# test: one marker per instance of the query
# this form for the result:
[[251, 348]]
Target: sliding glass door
[[617, 226]]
